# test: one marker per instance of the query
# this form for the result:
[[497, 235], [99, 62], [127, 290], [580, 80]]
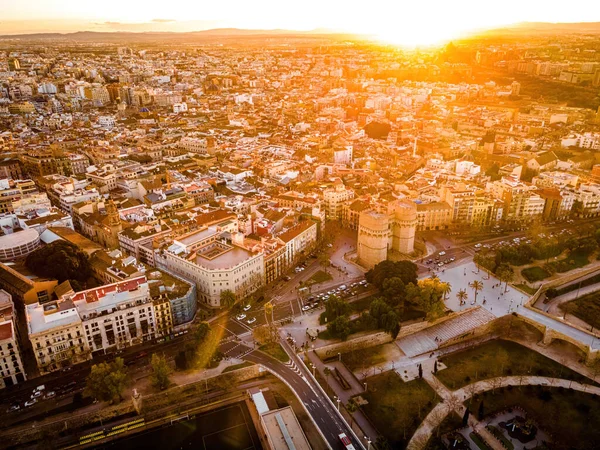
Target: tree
[[268, 311], [435, 367], [351, 407], [420, 371], [106, 381], [506, 273], [227, 298], [334, 308], [394, 290], [263, 334], [476, 285], [427, 296], [201, 332], [465, 419], [462, 296], [340, 327], [160, 371], [405, 270], [60, 260]]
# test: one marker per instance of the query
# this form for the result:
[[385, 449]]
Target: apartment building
[[116, 315], [56, 334], [11, 364]]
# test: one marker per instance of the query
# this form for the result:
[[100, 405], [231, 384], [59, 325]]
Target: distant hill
[[542, 29], [116, 36], [518, 30]]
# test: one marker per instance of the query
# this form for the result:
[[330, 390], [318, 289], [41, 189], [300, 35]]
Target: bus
[[346, 441]]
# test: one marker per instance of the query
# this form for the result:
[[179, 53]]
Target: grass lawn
[[587, 308], [480, 442], [573, 261], [362, 304], [525, 288], [397, 408], [364, 357], [496, 358], [238, 366], [572, 418], [319, 277], [275, 350], [535, 273]]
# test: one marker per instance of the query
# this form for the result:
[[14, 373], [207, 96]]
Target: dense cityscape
[[276, 240]]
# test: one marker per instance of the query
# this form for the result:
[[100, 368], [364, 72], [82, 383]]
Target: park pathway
[[439, 413]]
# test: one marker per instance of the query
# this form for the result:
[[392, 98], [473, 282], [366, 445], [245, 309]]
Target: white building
[[11, 365], [56, 335], [214, 263], [116, 315]]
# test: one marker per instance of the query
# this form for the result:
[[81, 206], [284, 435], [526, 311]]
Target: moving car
[[31, 402], [13, 407]]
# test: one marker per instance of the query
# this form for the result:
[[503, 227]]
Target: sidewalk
[[365, 425]]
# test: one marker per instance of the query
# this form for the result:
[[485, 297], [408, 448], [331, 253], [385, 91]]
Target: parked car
[[305, 307], [247, 307], [13, 407], [251, 321], [442, 253], [240, 316], [36, 394]]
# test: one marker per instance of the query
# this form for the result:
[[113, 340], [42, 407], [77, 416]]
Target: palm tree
[[227, 298], [476, 286], [445, 289], [462, 296]]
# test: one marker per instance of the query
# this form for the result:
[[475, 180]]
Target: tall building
[[11, 365]]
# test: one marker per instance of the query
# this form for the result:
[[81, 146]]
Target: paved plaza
[[497, 301]]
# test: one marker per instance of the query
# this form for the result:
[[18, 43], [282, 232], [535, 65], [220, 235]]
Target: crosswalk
[[429, 339]]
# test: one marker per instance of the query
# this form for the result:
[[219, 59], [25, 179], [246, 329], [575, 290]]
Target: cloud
[[163, 20]]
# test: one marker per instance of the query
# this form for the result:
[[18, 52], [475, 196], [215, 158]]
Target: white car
[[240, 316], [31, 402], [247, 307], [441, 253], [477, 245], [305, 307], [251, 321]]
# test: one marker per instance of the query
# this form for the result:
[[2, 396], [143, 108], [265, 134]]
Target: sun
[[417, 36]]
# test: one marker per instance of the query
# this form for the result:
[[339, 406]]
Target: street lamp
[[368, 442], [365, 386], [339, 356], [337, 399], [313, 368]]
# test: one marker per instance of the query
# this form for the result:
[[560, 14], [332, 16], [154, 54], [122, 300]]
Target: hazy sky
[[415, 20]]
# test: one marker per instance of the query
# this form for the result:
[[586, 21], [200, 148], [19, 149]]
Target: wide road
[[316, 403]]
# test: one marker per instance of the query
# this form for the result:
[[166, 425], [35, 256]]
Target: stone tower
[[393, 228], [373, 235], [404, 226]]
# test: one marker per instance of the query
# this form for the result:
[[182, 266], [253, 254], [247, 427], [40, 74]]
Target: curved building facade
[[18, 245]]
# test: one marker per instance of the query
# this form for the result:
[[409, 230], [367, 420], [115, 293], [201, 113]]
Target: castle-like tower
[[391, 229]]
